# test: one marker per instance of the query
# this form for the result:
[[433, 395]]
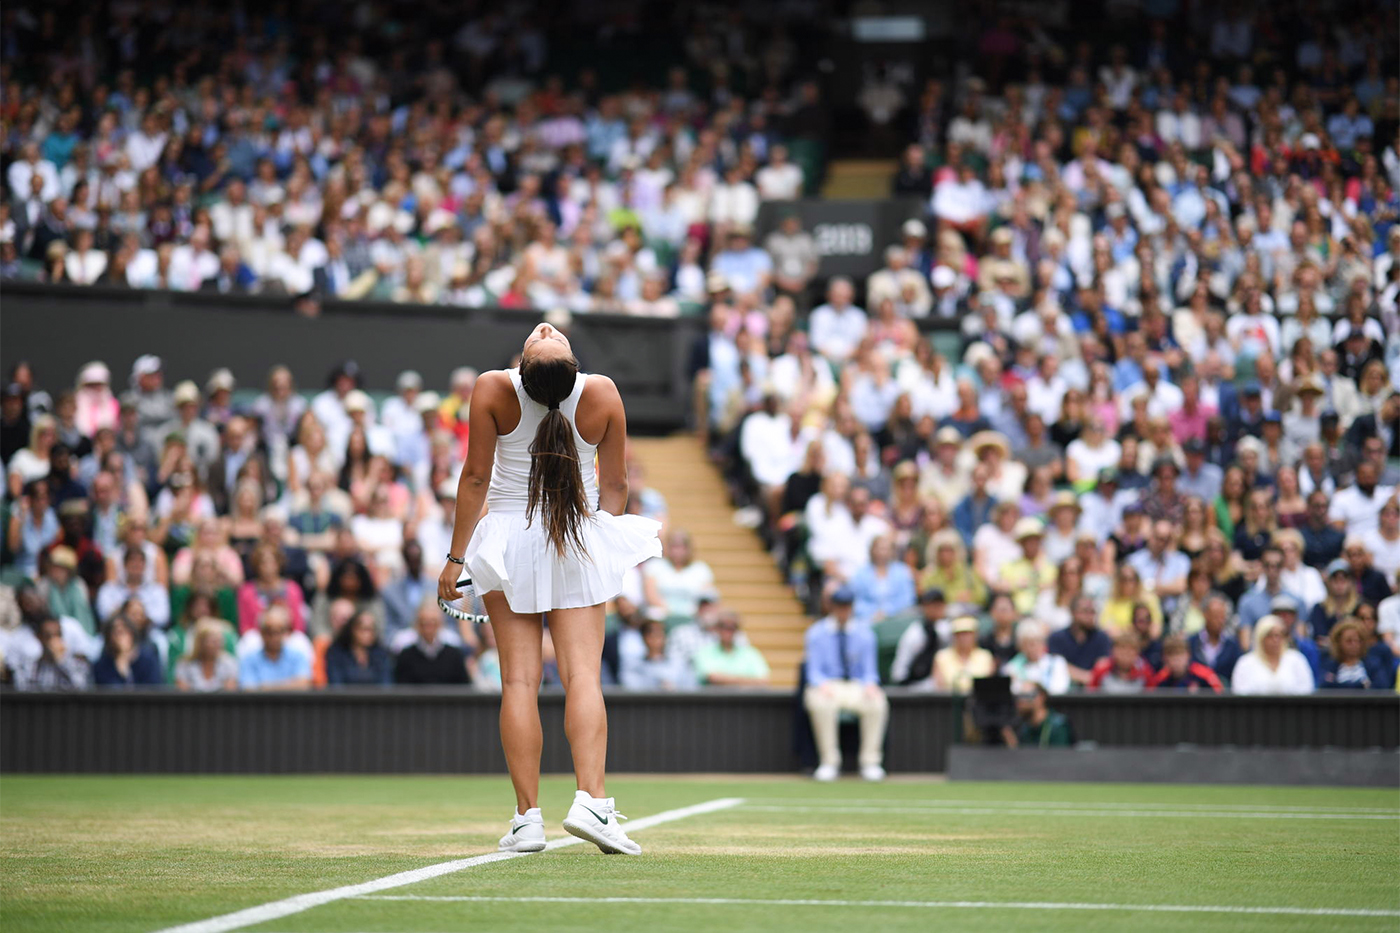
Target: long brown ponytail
[[556, 482]]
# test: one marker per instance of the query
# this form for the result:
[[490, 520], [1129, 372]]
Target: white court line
[[996, 811], [895, 802], [971, 905], [295, 905]]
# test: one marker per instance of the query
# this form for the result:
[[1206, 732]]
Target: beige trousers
[[826, 708]]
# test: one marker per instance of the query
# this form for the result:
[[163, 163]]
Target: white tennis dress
[[507, 554]]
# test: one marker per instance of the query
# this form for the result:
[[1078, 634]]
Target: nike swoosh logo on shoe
[[600, 819]]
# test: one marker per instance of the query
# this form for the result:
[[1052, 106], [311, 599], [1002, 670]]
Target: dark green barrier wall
[[441, 731]]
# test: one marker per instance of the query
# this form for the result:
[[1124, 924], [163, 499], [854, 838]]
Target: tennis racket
[[461, 608]]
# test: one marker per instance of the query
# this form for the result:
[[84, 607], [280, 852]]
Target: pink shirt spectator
[[253, 602]]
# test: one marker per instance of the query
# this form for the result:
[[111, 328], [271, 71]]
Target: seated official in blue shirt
[[843, 676], [275, 666]]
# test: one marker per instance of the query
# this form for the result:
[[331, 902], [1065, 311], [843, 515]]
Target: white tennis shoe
[[595, 819], [526, 833]]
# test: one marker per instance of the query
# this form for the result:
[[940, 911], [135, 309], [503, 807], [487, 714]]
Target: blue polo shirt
[[258, 670], [1076, 654]]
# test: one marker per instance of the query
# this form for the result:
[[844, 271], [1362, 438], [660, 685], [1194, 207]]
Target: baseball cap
[[1272, 417], [1108, 475], [932, 595], [1338, 565], [964, 624], [1251, 388], [914, 227], [408, 379], [943, 277], [1194, 445], [844, 596], [427, 401], [1283, 603], [948, 435]]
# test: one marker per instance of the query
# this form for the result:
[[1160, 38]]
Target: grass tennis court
[[148, 853]]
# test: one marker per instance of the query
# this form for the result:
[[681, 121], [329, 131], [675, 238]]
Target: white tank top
[[510, 476]]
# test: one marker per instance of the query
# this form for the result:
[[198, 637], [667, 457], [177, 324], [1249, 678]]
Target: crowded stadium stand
[[1060, 343]]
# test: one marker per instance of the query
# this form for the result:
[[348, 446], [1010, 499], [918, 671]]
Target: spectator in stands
[[1349, 665], [206, 666], [1000, 641], [921, 641], [1180, 672], [356, 657], [133, 584], [1211, 646], [1040, 726], [428, 659], [1082, 644], [268, 586], [956, 666], [1340, 603], [55, 666], [1255, 604], [950, 572], [655, 669], [1034, 664], [838, 326], [1370, 582], [676, 580], [64, 591], [1124, 670], [33, 526], [1322, 542], [275, 665], [725, 662], [1272, 666], [884, 587], [125, 661], [841, 675], [1128, 594], [1027, 576]]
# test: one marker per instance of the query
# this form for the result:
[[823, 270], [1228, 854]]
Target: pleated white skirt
[[517, 559]]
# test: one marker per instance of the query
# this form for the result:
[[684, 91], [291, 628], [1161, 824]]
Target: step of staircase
[[748, 581], [863, 179]]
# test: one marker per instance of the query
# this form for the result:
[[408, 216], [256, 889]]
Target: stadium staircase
[[747, 578], [859, 179]]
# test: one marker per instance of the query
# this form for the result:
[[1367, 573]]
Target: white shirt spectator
[[735, 204], [1252, 677], [1254, 334], [1385, 555], [1357, 511], [144, 151], [836, 333], [190, 266], [1161, 401], [768, 446], [960, 202], [84, 268], [779, 182], [21, 171]]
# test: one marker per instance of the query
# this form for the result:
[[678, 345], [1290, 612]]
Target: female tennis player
[[554, 539]]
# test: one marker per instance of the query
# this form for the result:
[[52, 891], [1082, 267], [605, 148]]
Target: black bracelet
[[461, 562]]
